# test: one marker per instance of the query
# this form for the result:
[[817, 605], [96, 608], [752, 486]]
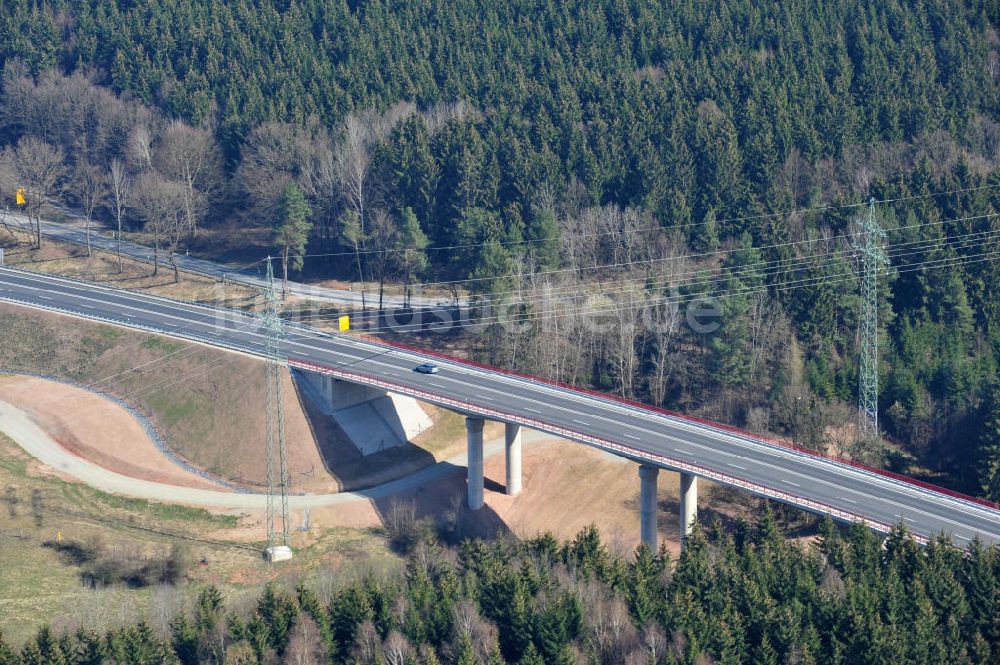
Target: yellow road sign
[[20, 196], [344, 323]]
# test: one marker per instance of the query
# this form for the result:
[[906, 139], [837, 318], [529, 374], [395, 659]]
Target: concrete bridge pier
[[647, 504], [474, 427], [513, 448], [689, 503]]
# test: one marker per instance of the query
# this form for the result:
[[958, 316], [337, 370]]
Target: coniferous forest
[[620, 156], [749, 597], [616, 159]]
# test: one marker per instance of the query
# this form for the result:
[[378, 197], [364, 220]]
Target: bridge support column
[[474, 427], [647, 504], [689, 503], [513, 441]]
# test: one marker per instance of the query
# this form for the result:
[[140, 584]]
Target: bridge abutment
[[689, 504], [373, 419], [474, 427], [512, 440], [647, 504]]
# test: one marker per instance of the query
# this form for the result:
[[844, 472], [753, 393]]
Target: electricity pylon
[[873, 259], [275, 413]]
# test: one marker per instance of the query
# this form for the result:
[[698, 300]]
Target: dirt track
[[85, 437], [20, 427], [97, 429]]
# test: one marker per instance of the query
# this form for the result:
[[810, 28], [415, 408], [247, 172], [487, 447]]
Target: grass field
[[37, 586], [205, 404]]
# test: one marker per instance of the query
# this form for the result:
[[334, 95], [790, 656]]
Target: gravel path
[[16, 424]]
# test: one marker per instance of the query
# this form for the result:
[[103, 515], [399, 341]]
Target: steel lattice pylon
[[873, 259], [275, 413]]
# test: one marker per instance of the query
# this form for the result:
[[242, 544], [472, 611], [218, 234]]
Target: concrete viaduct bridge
[[335, 386], [654, 439]]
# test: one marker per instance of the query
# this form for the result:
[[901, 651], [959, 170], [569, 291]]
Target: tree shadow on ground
[[438, 510], [728, 506]]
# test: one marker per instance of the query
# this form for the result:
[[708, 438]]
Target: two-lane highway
[[761, 467], [251, 276]]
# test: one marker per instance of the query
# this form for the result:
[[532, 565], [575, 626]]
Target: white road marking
[[737, 466], [683, 452], [844, 498], [633, 413], [633, 437], [791, 483]]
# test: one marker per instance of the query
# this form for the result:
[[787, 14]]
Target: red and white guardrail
[[605, 444]]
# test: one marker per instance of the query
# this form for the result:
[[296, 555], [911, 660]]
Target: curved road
[[19, 426], [671, 442]]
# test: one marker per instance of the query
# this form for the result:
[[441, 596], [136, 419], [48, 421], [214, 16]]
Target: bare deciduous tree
[[163, 205], [353, 158], [320, 181], [397, 650], [241, 653], [621, 341], [38, 168], [367, 645], [87, 120], [140, 147], [192, 158], [352, 235], [91, 189], [470, 627], [438, 115], [120, 187], [610, 628], [381, 236], [274, 154], [654, 639], [305, 647], [662, 328]]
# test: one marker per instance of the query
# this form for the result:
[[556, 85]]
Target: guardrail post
[[647, 504], [513, 446], [474, 427], [689, 504]]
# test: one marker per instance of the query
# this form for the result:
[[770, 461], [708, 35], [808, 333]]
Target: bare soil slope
[[208, 405], [97, 429]]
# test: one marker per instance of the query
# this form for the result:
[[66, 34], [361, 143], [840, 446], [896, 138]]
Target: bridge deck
[[673, 442]]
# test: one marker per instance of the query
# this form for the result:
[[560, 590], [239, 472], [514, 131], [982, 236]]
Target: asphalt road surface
[[670, 442], [253, 276]]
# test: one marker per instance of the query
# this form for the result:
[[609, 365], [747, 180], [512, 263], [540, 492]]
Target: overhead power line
[[757, 270], [659, 260], [657, 227], [591, 311]]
